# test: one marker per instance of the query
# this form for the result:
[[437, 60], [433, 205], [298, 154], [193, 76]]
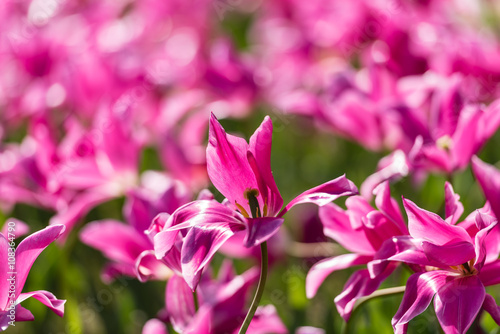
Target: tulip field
[[237, 166]]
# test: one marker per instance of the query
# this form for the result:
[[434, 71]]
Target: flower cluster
[[104, 112]]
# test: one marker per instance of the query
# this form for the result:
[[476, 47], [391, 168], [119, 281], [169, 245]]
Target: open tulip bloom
[[452, 263], [241, 171]]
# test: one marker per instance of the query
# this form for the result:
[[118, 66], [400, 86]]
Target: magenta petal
[[420, 288], [452, 253], [458, 302], [80, 206], [260, 146], [489, 180], [180, 303], [154, 326], [359, 285], [261, 229], [490, 306], [400, 248], [427, 225], [147, 267], [113, 270], [46, 298], [266, 320], [29, 249], [394, 166], [202, 212], [323, 268], [325, 193], [199, 247], [337, 225], [490, 273], [388, 206], [23, 314], [163, 242], [227, 164], [117, 241], [483, 246], [467, 137], [21, 227], [4, 269], [453, 208]]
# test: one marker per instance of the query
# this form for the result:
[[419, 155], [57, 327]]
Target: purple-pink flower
[[452, 262], [241, 171]]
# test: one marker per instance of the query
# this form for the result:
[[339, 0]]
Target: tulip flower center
[[466, 268], [251, 194], [445, 142]]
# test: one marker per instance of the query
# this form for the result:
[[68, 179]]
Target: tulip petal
[[117, 241], [490, 306], [324, 193], [266, 320], [427, 225], [4, 270], [388, 206], [453, 208], [46, 298], [394, 166], [154, 326], [261, 229], [227, 164], [458, 302], [489, 180], [179, 303], [400, 248], [420, 288], [319, 271], [490, 273], [28, 250], [452, 253], [204, 212], [467, 137], [260, 147], [200, 245], [337, 225], [483, 247], [359, 285], [21, 314], [147, 267]]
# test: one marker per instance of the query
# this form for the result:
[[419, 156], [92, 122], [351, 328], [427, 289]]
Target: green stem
[[196, 303], [362, 300], [260, 289]]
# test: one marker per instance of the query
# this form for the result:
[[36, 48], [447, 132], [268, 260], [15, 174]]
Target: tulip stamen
[[242, 210], [251, 196]]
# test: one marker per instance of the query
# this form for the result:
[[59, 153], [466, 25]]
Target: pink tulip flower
[[453, 263], [242, 173], [362, 230]]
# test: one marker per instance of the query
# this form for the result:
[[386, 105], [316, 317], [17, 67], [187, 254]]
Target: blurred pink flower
[[127, 245]]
